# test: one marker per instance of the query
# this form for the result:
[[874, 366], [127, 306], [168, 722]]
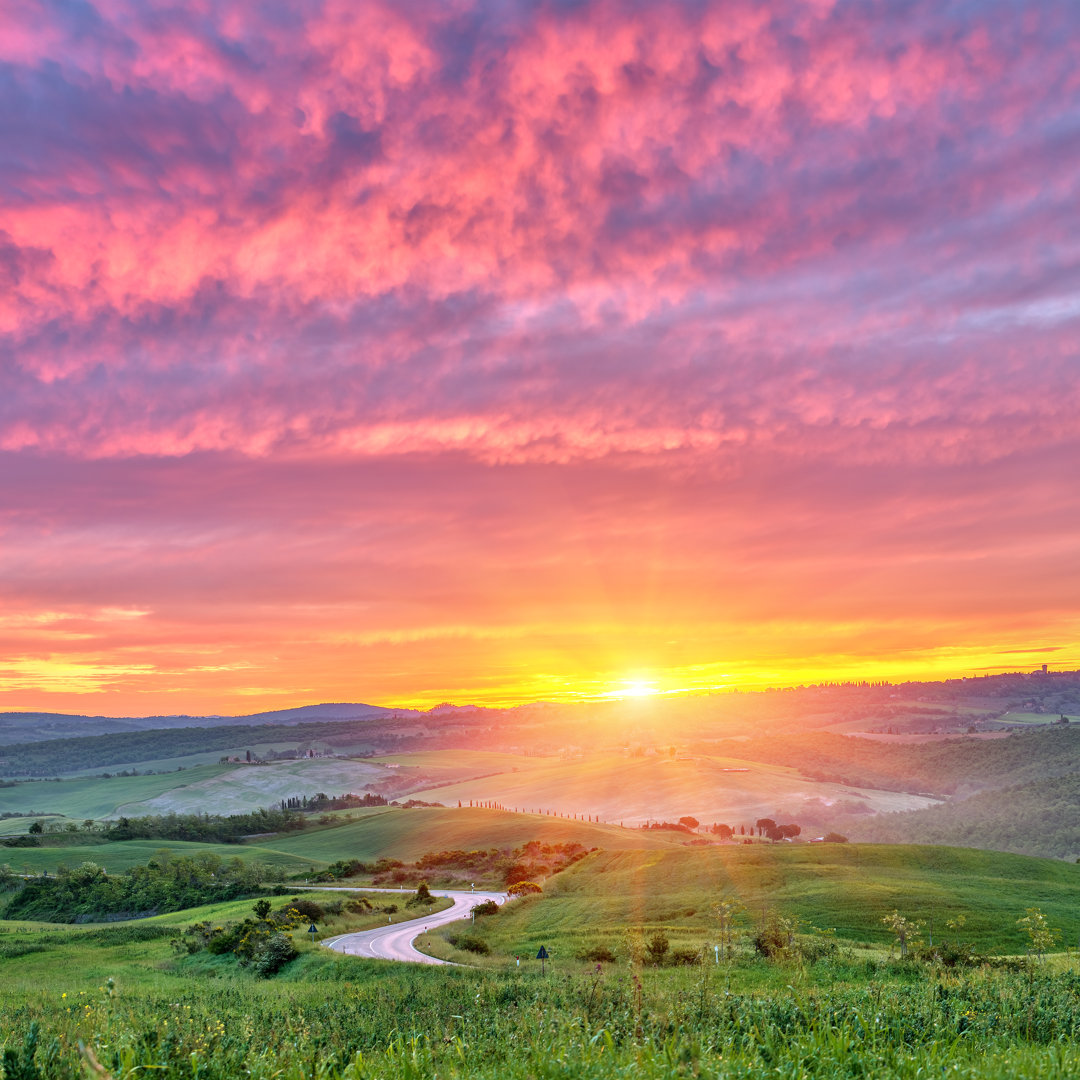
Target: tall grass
[[341, 1018]]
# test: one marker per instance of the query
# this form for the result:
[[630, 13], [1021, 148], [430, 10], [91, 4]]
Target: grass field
[[408, 834], [1032, 718], [142, 1009], [119, 856], [846, 888]]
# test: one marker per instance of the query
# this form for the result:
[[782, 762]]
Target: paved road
[[396, 942]]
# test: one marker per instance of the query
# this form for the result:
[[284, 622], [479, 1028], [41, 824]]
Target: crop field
[[437, 768], [1032, 718], [188, 761], [95, 797], [633, 790], [243, 788], [14, 825], [612, 787]]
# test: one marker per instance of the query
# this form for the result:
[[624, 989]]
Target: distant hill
[[20, 727]]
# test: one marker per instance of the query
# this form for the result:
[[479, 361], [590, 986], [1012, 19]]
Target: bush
[[488, 907], [775, 938], [274, 955], [524, 888], [305, 908], [600, 954], [469, 943], [657, 947], [422, 898], [685, 957]]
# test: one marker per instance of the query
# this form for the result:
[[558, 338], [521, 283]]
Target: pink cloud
[[415, 315]]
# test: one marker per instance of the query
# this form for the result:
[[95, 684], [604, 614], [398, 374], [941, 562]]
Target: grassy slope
[[846, 887], [407, 834], [404, 834]]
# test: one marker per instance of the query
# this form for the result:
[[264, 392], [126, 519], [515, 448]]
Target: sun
[[636, 688]]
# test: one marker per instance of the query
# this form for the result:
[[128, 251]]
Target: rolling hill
[[846, 887]]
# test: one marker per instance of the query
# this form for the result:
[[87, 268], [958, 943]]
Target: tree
[[725, 832], [689, 822], [906, 930], [763, 824], [37, 828], [262, 910], [1043, 938]]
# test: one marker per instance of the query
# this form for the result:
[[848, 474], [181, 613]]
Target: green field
[[95, 797], [847, 888], [187, 761], [15, 826], [119, 856], [1032, 718], [144, 1008], [364, 834], [408, 834]]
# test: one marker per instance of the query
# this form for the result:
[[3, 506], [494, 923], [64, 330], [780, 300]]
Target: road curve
[[396, 942]]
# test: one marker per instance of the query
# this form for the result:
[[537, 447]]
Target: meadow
[[843, 889], [139, 1008], [127, 1000]]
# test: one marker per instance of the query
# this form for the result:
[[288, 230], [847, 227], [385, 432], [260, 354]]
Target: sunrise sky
[[494, 351]]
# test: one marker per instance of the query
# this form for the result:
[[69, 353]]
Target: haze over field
[[527, 351]]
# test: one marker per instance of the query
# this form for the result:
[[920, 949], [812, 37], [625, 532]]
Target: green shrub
[[600, 954], [274, 954], [657, 947], [422, 898], [469, 943], [685, 957]]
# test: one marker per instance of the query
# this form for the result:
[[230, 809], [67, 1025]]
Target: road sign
[[542, 955]]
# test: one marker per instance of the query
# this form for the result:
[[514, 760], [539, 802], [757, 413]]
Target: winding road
[[396, 942]]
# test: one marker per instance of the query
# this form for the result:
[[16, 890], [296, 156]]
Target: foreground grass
[[143, 1008], [342, 1018]]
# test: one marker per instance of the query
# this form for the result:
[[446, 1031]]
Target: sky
[[510, 350]]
